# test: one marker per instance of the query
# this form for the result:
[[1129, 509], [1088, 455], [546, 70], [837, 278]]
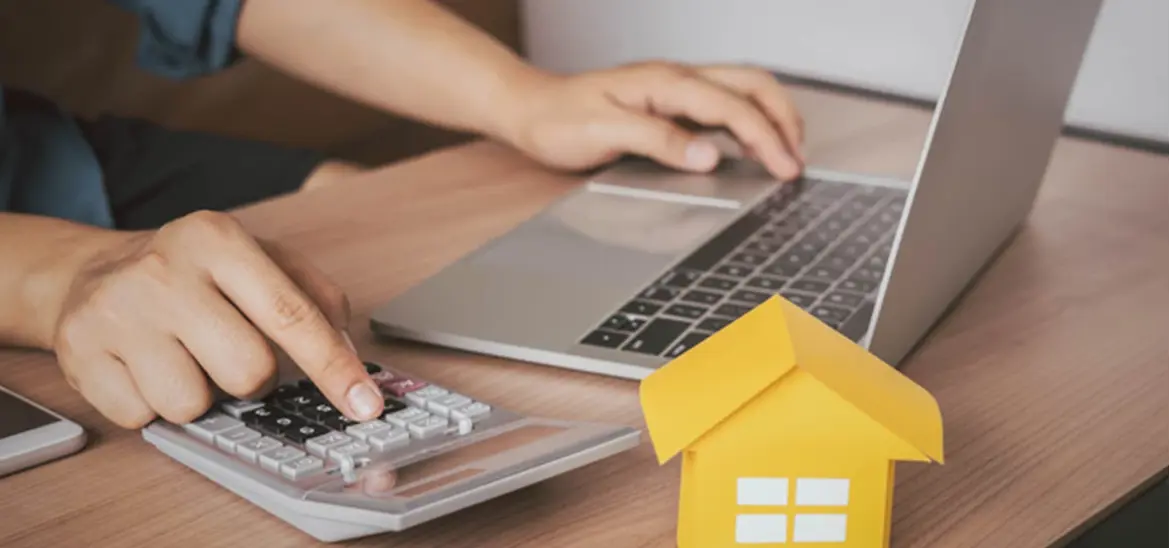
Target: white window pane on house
[[822, 492], [818, 528], [761, 491], [761, 528]]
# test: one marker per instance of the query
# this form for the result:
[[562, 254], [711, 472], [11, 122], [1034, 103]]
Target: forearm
[[411, 57], [39, 258]]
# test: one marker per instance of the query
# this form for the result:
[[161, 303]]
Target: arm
[[415, 58], [410, 57], [40, 257]]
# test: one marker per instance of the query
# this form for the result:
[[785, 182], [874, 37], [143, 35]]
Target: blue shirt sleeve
[[185, 38]]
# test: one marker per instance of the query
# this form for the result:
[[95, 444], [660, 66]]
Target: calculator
[[433, 451]]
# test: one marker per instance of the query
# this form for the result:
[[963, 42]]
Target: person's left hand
[[585, 120]]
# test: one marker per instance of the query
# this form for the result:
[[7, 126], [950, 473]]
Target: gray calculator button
[[363, 430], [389, 439], [301, 467], [348, 451], [272, 460], [251, 450], [475, 411], [229, 439], [236, 408], [443, 405], [428, 427], [207, 427], [320, 445], [419, 397], [406, 416]]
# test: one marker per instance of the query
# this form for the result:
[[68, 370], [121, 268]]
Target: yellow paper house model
[[789, 433]]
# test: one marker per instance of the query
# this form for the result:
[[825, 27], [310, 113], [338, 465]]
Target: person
[[116, 253]]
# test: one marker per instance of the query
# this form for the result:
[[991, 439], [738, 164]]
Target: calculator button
[[402, 418], [299, 402], [319, 412], [402, 387], [363, 430], [228, 440], [390, 438], [372, 367], [272, 460], [428, 427], [299, 468], [338, 422], [237, 408], [322, 444], [305, 432], [443, 406], [348, 451], [280, 422], [256, 416], [382, 378], [392, 405], [420, 396], [207, 427], [252, 450], [474, 411]]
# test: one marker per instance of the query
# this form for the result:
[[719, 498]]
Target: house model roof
[[760, 349]]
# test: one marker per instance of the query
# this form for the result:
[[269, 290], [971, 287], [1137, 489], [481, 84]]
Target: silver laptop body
[[640, 263]]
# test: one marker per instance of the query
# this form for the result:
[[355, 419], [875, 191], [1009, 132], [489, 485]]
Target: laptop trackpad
[[552, 279]]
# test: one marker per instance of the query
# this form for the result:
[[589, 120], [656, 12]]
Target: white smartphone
[[31, 435]]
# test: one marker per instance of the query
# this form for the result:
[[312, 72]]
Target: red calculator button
[[402, 387]]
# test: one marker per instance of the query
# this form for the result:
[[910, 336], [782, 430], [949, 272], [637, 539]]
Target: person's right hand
[[149, 321]]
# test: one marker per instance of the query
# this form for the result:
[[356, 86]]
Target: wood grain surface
[[1051, 372]]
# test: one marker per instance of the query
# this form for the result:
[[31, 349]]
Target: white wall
[[900, 46]]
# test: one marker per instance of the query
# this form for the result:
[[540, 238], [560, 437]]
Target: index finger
[[282, 311]]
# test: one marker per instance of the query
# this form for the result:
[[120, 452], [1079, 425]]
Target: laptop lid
[[986, 153]]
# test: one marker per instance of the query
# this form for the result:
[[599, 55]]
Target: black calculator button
[[279, 423], [372, 368], [657, 336], [338, 422], [604, 339], [256, 416], [319, 412], [298, 402], [304, 432], [392, 405]]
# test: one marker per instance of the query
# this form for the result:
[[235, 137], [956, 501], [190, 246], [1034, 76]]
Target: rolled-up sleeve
[[185, 38]]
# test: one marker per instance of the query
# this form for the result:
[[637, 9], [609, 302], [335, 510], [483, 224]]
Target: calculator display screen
[[18, 416]]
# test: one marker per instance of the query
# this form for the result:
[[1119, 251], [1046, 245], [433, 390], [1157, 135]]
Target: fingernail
[[365, 402], [702, 155]]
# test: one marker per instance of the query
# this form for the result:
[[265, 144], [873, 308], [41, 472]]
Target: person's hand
[[152, 319], [582, 121]]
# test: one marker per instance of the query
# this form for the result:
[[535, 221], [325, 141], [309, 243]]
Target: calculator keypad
[[296, 433]]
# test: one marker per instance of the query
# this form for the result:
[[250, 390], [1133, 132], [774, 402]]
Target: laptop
[[641, 263]]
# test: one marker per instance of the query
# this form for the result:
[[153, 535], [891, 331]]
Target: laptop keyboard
[[821, 245]]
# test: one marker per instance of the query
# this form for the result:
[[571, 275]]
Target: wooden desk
[[1051, 373]]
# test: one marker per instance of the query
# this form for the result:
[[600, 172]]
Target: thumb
[[663, 141]]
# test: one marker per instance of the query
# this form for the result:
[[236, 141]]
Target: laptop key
[[835, 262], [686, 311], [799, 299], [783, 269], [686, 343], [732, 311], [657, 336], [641, 308], [753, 259], [714, 282], [765, 282], [622, 322], [749, 296], [826, 273], [604, 339], [702, 297], [816, 287], [734, 271], [664, 294], [760, 246], [844, 298], [680, 278], [712, 324], [831, 315], [866, 274], [858, 286]]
